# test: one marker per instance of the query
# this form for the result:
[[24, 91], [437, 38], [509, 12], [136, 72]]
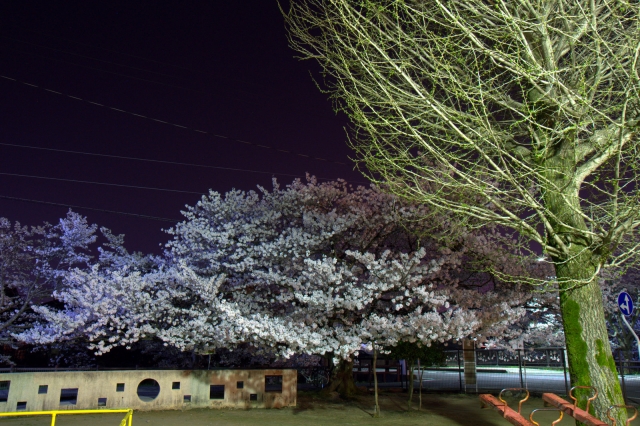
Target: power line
[[178, 125], [128, 54], [141, 216], [175, 86], [121, 65], [89, 57], [149, 160], [100, 183]]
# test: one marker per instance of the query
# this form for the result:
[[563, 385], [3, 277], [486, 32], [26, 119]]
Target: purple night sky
[[223, 67]]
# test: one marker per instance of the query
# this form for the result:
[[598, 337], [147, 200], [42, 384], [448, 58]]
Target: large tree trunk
[[341, 380], [588, 349], [591, 362]]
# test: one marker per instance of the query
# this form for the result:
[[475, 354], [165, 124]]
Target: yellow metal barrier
[[128, 418]]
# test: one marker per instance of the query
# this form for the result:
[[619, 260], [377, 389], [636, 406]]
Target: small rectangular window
[[21, 406], [187, 398], [273, 383], [4, 390], [102, 402], [69, 396], [43, 389], [216, 392], [175, 385], [120, 387], [253, 397], [240, 385]]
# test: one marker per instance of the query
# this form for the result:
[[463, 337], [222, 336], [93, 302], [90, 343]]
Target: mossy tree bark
[[591, 361], [341, 380], [523, 135]]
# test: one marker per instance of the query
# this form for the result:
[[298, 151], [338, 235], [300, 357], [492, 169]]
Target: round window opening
[[148, 390]]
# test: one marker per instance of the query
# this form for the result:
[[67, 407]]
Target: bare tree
[[521, 113]]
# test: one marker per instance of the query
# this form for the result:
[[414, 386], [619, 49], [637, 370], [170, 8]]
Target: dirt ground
[[312, 409]]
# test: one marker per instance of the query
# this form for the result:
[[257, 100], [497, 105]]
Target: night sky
[[222, 67]]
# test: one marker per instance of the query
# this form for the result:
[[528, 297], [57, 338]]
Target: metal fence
[[629, 372], [539, 370], [536, 369]]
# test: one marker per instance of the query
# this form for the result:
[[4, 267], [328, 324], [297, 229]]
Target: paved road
[[534, 380], [491, 381], [495, 379]]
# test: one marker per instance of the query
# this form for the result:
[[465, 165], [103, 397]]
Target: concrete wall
[[92, 385]]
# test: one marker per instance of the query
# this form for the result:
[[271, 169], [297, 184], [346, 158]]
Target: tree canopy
[[310, 268], [33, 262], [523, 114]]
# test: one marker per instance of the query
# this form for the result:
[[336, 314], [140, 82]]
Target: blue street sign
[[625, 303]]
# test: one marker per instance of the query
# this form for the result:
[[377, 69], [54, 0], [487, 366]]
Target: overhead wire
[[49, 36], [99, 183], [156, 218], [253, 101], [150, 160], [66, 52], [210, 134], [146, 80], [141, 216]]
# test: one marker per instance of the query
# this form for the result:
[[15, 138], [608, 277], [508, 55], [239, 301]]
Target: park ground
[[314, 409]]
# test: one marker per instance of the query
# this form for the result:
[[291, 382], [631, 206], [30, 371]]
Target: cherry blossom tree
[[311, 268], [322, 268], [33, 262]]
